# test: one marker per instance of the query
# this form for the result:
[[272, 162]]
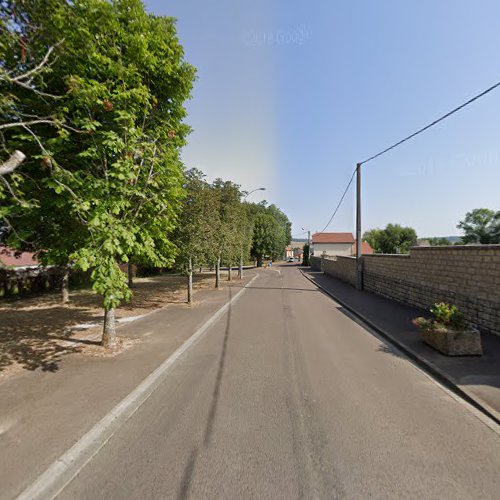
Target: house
[[331, 244], [293, 251], [336, 244], [298, 254], [366, 248], [12, 258]]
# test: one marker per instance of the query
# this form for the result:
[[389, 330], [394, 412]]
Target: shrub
[[444, 316]]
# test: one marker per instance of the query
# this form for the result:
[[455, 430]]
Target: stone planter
[[453, 342]]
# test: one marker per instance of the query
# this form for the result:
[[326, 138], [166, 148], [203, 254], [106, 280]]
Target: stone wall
[[315, 263], [340, 267], [468, 276]]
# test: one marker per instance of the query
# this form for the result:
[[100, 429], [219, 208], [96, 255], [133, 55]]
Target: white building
[[336, 244]]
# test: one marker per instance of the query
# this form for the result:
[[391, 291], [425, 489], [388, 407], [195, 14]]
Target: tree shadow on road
[[207, 433]]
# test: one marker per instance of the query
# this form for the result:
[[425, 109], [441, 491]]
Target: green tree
[[271, 232], [284, 235], [264, 236], [194, 236], [481, 225], [27, 118], [306, 255], [245, 235], [229, 225], [112, 167], [374, 238], [437, 242], [393, 239]]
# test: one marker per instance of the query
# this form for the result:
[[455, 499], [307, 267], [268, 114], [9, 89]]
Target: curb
[[50, 483], [423, 363]]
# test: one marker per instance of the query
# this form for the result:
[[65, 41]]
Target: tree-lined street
[[136, 140], [287, 396]]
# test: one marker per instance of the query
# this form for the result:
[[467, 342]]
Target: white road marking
[[83, 326], [86, 326], [58, 475], [128, 319]]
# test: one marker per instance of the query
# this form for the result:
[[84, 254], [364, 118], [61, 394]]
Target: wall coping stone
[[391, 255], [448, 248]]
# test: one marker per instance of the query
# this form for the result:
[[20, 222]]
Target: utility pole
[[359, 262]]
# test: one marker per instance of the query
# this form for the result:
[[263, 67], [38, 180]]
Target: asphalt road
[[288, 397]]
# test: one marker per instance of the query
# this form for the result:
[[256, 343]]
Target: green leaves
[[113, 186], [393, 239], [481, 225], [272, 232]]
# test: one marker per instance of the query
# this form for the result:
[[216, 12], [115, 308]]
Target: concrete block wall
[[467, 276], [315, 263], [340, 267]]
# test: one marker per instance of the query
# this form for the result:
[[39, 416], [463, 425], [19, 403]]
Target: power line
[[340, 202], [435, 122]]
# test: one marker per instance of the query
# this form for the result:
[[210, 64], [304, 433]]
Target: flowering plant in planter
[[448, 332], [444, 316]]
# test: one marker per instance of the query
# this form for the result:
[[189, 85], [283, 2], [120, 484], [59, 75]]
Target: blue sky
[[290, 95]]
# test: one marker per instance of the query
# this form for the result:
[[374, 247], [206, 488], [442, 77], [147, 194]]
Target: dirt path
[[36, 332]]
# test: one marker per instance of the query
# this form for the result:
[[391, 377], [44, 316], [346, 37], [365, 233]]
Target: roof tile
[[332, 238]]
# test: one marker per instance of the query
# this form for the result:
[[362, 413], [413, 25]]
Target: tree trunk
[[130, 274], [65, 286], [109, 330], [190, 281], [230, 273], [240, 270], [217, 273]]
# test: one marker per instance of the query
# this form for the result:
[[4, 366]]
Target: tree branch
[[25, 124], [16, 158], [20, 79], [36, 91], [36, 69], [47, 121]]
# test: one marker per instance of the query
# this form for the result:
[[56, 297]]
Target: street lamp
[[240, 271]]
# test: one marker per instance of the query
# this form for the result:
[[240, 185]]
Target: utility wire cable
[[435, 122], [411, 136], [341, 200]]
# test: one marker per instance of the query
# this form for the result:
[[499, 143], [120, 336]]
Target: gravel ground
[[36, 332]]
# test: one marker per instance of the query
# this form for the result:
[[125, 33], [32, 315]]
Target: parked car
[[290, 259]]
